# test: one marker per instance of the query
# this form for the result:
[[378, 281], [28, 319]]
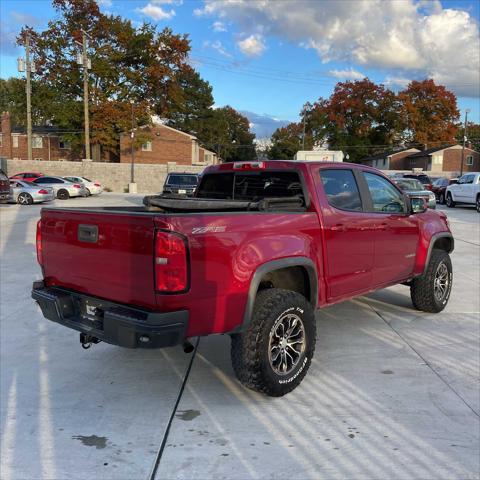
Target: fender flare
[[433, 240], [267, 267]]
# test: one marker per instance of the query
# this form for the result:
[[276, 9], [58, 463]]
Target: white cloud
[[405, 37], [217, 46], [24, 18], [219, 27], [349, 74], [156, 13], [167, 2], [252, 46], [105, 3]]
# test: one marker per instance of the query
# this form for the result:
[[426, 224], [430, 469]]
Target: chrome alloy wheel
[[286, 344], [441, 282]]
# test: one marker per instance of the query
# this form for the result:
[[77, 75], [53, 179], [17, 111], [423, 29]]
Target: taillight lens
[[75, 185], [97, 184], [171, 269], [39, 243], [43, 192]]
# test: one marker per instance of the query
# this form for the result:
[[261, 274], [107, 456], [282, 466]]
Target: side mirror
[[418, 205]]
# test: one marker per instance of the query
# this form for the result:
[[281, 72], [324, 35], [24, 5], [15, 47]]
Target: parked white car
[[63, 188], [466, 191], [93, 188]]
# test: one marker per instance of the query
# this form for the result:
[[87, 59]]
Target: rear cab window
[[250, 186]]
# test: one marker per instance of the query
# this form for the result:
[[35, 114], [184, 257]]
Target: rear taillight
[[171, 269], [42, 192], [97, 184], [39, 243], [75, 185]]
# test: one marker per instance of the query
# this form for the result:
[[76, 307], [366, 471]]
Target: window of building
[[385, 197], [64, 144], [208, 158], [437, 159], [469, 159], [37, 142], [38, 158], [147, 147], [15, 141], [341, 189]]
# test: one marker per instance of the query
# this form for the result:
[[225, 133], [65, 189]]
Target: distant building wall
[[114, 176]]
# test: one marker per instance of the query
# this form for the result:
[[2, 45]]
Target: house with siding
[[390, 160], [447, 158]]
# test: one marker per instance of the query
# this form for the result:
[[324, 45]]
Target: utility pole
[[132, 138], [303, 135], [27, 66], [82, 59], [464, 140], [85, 95]]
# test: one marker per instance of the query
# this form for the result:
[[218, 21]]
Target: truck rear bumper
[[110, 322]]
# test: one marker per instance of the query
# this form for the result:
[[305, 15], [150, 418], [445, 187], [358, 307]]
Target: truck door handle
[[382, 227], [339, 227], [87, 233]]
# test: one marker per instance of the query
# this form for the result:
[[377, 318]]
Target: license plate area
[[91, 312]]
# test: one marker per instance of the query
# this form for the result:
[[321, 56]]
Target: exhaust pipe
[[188, 347]]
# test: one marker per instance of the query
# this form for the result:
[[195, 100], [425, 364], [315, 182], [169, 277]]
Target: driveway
[[391, 393]]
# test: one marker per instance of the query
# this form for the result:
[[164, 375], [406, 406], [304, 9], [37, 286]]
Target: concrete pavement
[[391, 393]]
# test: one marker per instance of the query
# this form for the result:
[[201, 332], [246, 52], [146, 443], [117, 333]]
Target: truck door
[[467, 192], [396, 231], [348, 233]]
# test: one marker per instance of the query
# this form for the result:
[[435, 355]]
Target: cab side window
[[385, 197], [341, 189]]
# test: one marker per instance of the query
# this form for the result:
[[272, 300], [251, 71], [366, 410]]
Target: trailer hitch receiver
[[88, 340]]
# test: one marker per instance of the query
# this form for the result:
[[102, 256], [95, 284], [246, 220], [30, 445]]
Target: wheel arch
[[280, 271], [442, 241]]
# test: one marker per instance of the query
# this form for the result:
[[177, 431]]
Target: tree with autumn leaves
[[362, 118], [128, 64]]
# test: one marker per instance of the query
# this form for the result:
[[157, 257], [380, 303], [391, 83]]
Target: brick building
[[167, 145], [47, 142], [390, 160], [445, 159]]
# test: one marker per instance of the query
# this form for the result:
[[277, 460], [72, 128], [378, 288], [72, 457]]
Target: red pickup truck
[[253, 254]]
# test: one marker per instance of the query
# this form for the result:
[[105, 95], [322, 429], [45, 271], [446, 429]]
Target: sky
[[267, 58]]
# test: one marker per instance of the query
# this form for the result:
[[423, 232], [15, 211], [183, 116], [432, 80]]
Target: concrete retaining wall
[[113, 176]]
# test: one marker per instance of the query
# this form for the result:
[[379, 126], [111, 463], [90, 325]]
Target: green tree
[[286, 142], [128, 64]]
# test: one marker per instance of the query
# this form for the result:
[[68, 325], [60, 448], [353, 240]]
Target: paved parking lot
[[391, 393]]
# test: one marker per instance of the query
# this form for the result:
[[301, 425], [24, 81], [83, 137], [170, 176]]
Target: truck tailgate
[[105, 255]]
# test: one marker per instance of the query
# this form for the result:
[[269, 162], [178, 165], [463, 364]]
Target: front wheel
[[477, 204], [441, 199], [89, 193], [450, 202], [25, 199], [274, 353], [431, 291]]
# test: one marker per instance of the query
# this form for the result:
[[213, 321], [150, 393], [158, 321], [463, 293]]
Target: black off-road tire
[[450, 203], [63, 195], [422, 289], [250, 349]]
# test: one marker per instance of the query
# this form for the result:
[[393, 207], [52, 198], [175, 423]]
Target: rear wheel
[[25, 199], [477, 203], [431, 291], [450, 202], [88, 192], [63, 195], [275, 351]]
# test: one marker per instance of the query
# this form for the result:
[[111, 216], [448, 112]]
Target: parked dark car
[[413, 188], [4, 187], [439, 187], [422, 178], [181, 183]]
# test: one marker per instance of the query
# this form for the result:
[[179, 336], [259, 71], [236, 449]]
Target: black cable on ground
[[172, 416]]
